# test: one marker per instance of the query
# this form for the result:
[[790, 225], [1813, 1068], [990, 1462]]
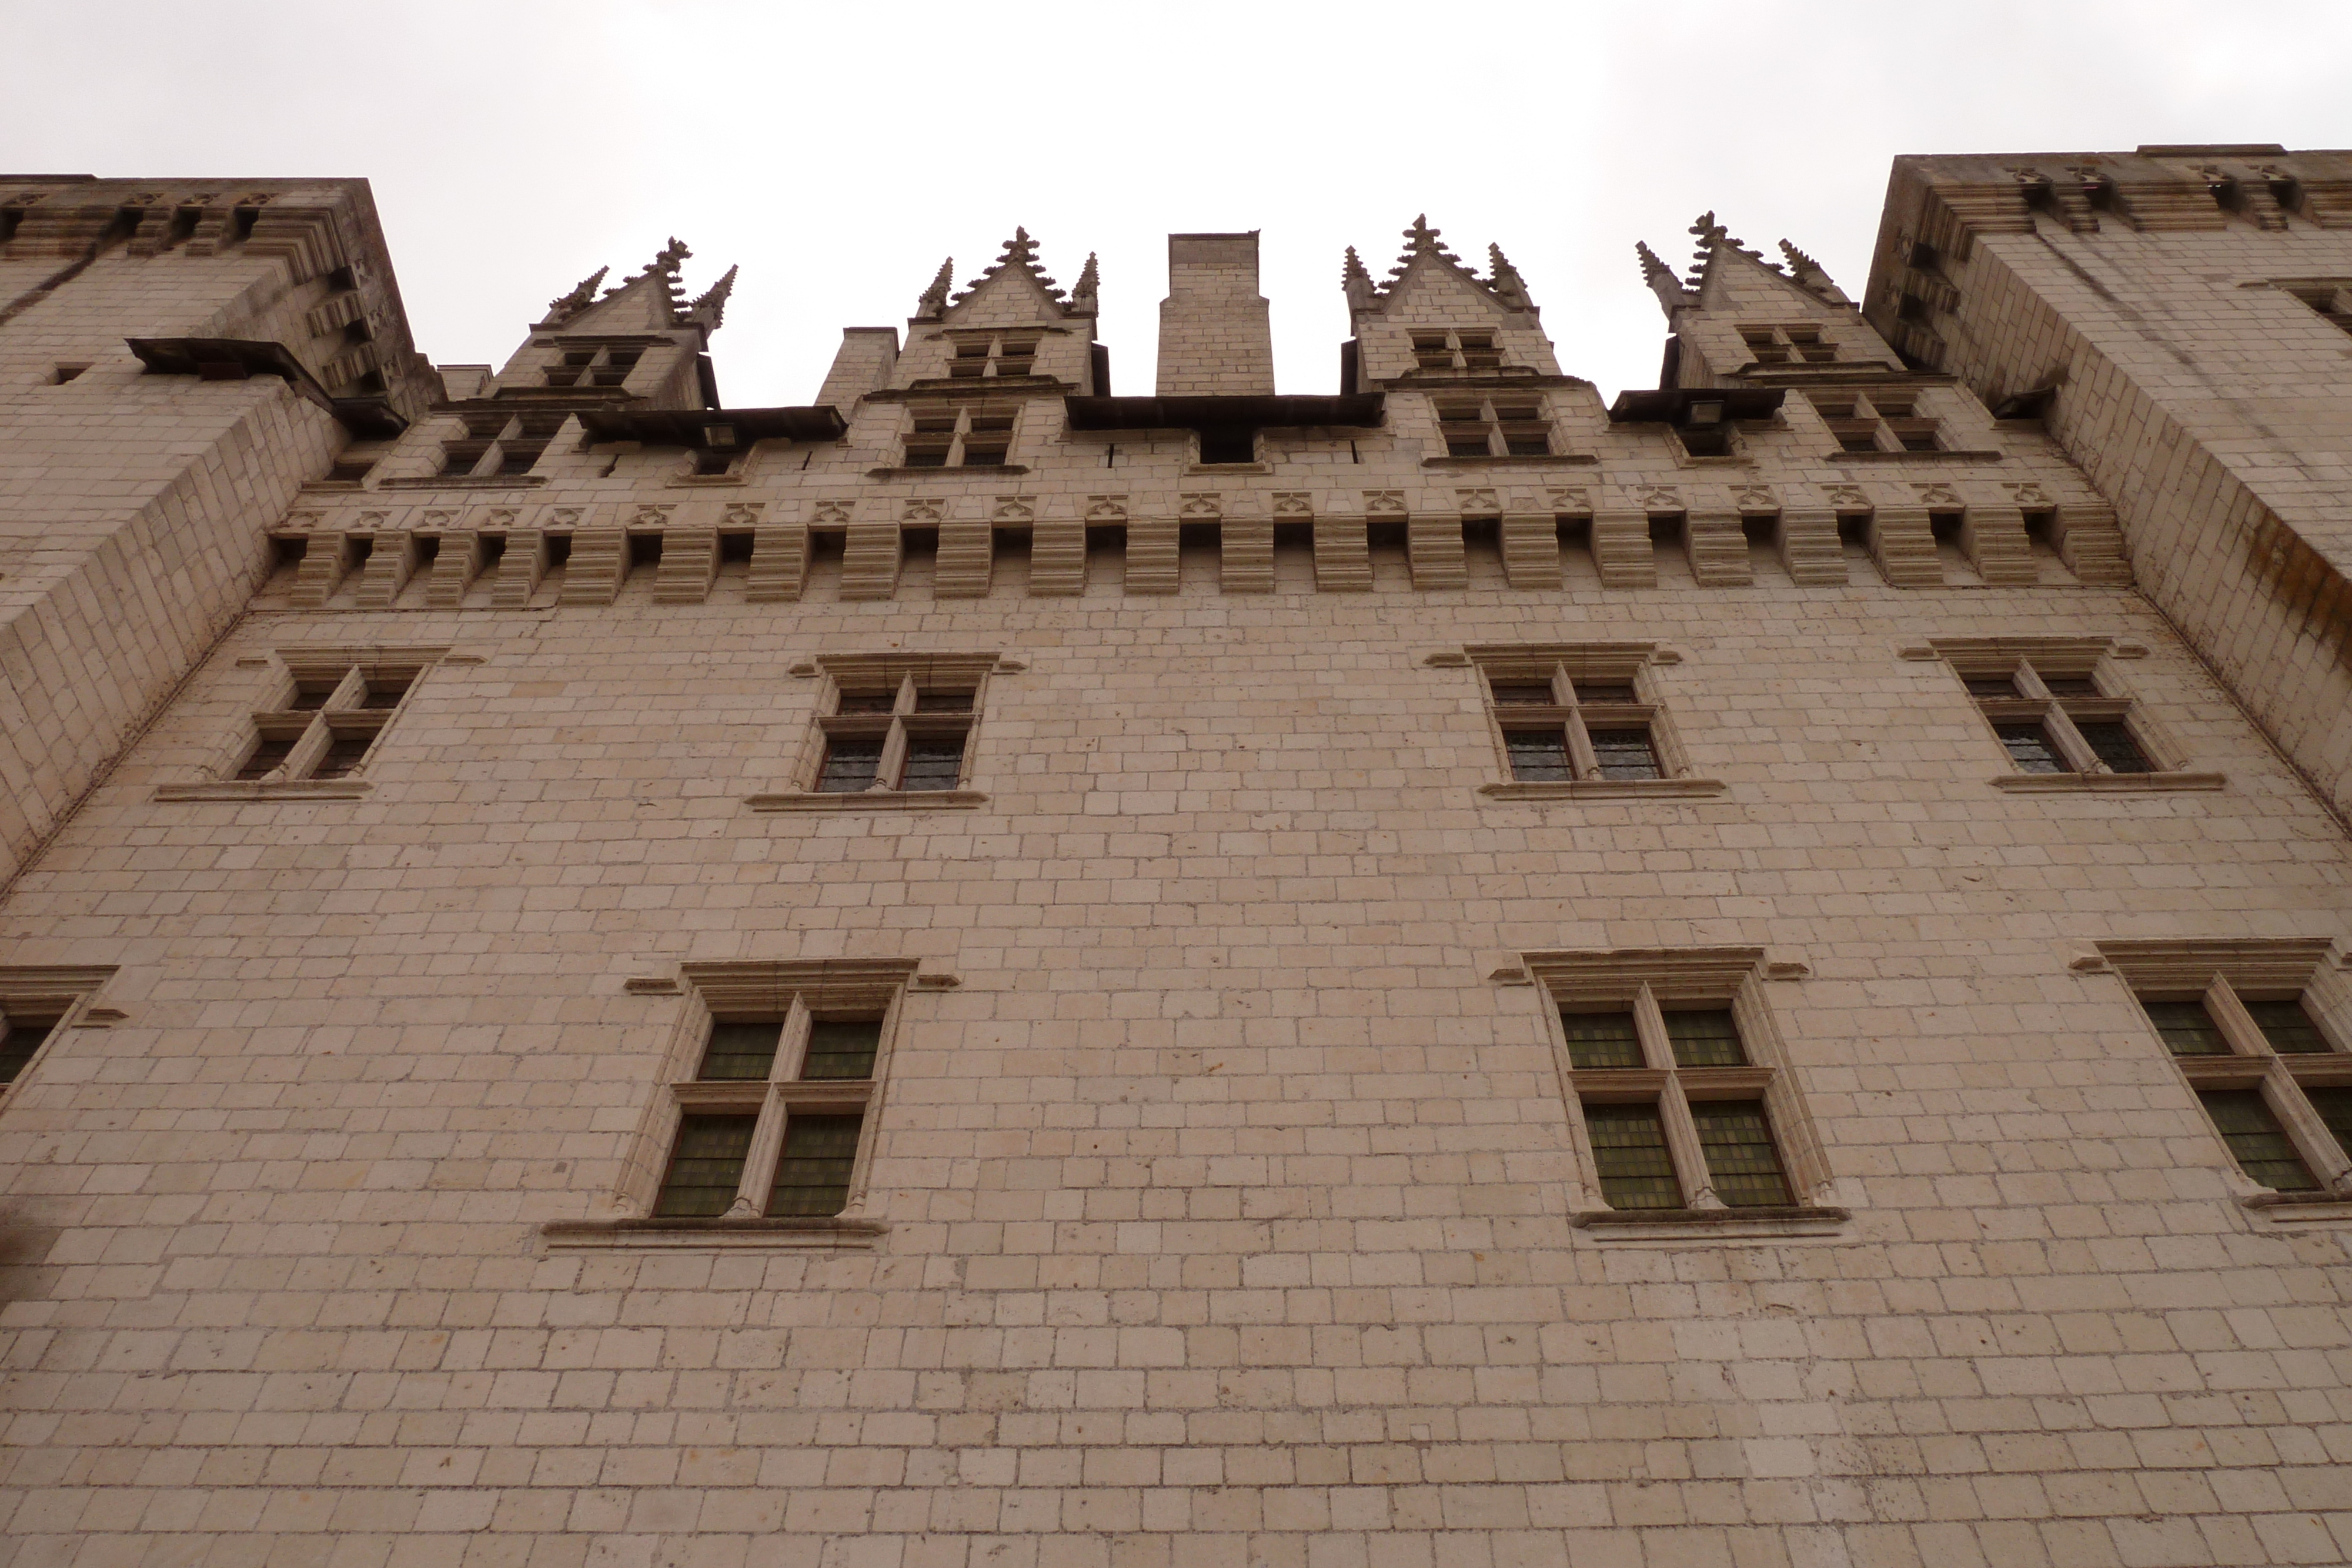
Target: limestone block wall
[[1217, 335], [1227, 1192]]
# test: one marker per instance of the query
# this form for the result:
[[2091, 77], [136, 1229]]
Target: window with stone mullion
[[2061, 724], [770, 1123], [1591, 727], [907, 739], [2275, 1050]]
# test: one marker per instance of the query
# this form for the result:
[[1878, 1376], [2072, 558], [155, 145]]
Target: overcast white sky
[[839, 151]]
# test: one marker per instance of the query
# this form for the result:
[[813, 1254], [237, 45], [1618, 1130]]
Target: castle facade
[[999, 970]]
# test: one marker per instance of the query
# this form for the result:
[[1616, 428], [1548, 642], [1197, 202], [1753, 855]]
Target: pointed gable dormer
[[641, 341], [1435, 318], [1738, 317], [1013, 324]]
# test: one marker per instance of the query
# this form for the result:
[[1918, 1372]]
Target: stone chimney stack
[[1215, 338]]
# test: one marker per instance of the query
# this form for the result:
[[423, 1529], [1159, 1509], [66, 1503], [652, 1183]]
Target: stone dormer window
[[594, 367], [965, 435], [1500, 426], [1455, 350], [498, 443], [1877, 421], [976, 356], [1800, 343]]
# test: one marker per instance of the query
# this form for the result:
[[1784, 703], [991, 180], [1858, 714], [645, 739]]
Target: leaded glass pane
[[1742, 1162], [2028, 747], [705, 1167], [842, 1048], [2287, 1027], [1626, 754], [740, 1050], [1539, 756], [813, 1175], [1601, 1040], [2335, 1108], [2254, 1136], [1705, 1037], [1629, 1150], [2187, 1029], [933, 762], [850, 765], [2111, 742]]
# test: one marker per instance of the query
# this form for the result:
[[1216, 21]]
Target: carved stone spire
[[1356, 283], [1504, 279], [1082, 298], [1810, 277], [934, 300], [566, 306], [1020, 252], [1422, 240], [1661, 279], [710, 308]]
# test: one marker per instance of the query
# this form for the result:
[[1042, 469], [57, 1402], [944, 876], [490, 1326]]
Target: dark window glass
[[813, 1177], [1857, 440], [1524, 693], [740, 1050], [1626, 754], [2112, 741], [518, 460], [2287, 1027], [344, 753], [312, 695], [2335, 1108], [383, 695], [1742, 1164], [1918, 440], [868, 702], [1601, 1040], [943, 702], [1465, 446], [16, 1048], [2187, 1029], [933, 762], [1539, 756], [1705, 1037], [2255, 1138], [266, 756], [1605, 692], [2070, 686], [850, 765], [1992, 685], [842, 1048], [711, 463], [457, 465], [1528, 445], [2028, 747], [1629, 1148], [705, 1167], [983, 456], [927, 457]]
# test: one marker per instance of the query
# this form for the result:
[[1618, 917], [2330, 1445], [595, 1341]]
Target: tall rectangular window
[[1629, 1149], [812, 1173], [705, 1166], [2256, 1140]]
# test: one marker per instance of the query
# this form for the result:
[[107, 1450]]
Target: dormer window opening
[[996, 354], [1494, 427], [618, 363], [1794, 343], [967, 436], [1878, 422], [1455, 350]]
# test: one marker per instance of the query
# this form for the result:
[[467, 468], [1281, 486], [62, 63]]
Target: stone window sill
[[485, 481], [1548, 460], [603, 1235], [254, 789], [1699, 1225], [1970, 456], [870, 800], [2299, 1208], [1607, 790], [962, 470], [2106, 783]]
